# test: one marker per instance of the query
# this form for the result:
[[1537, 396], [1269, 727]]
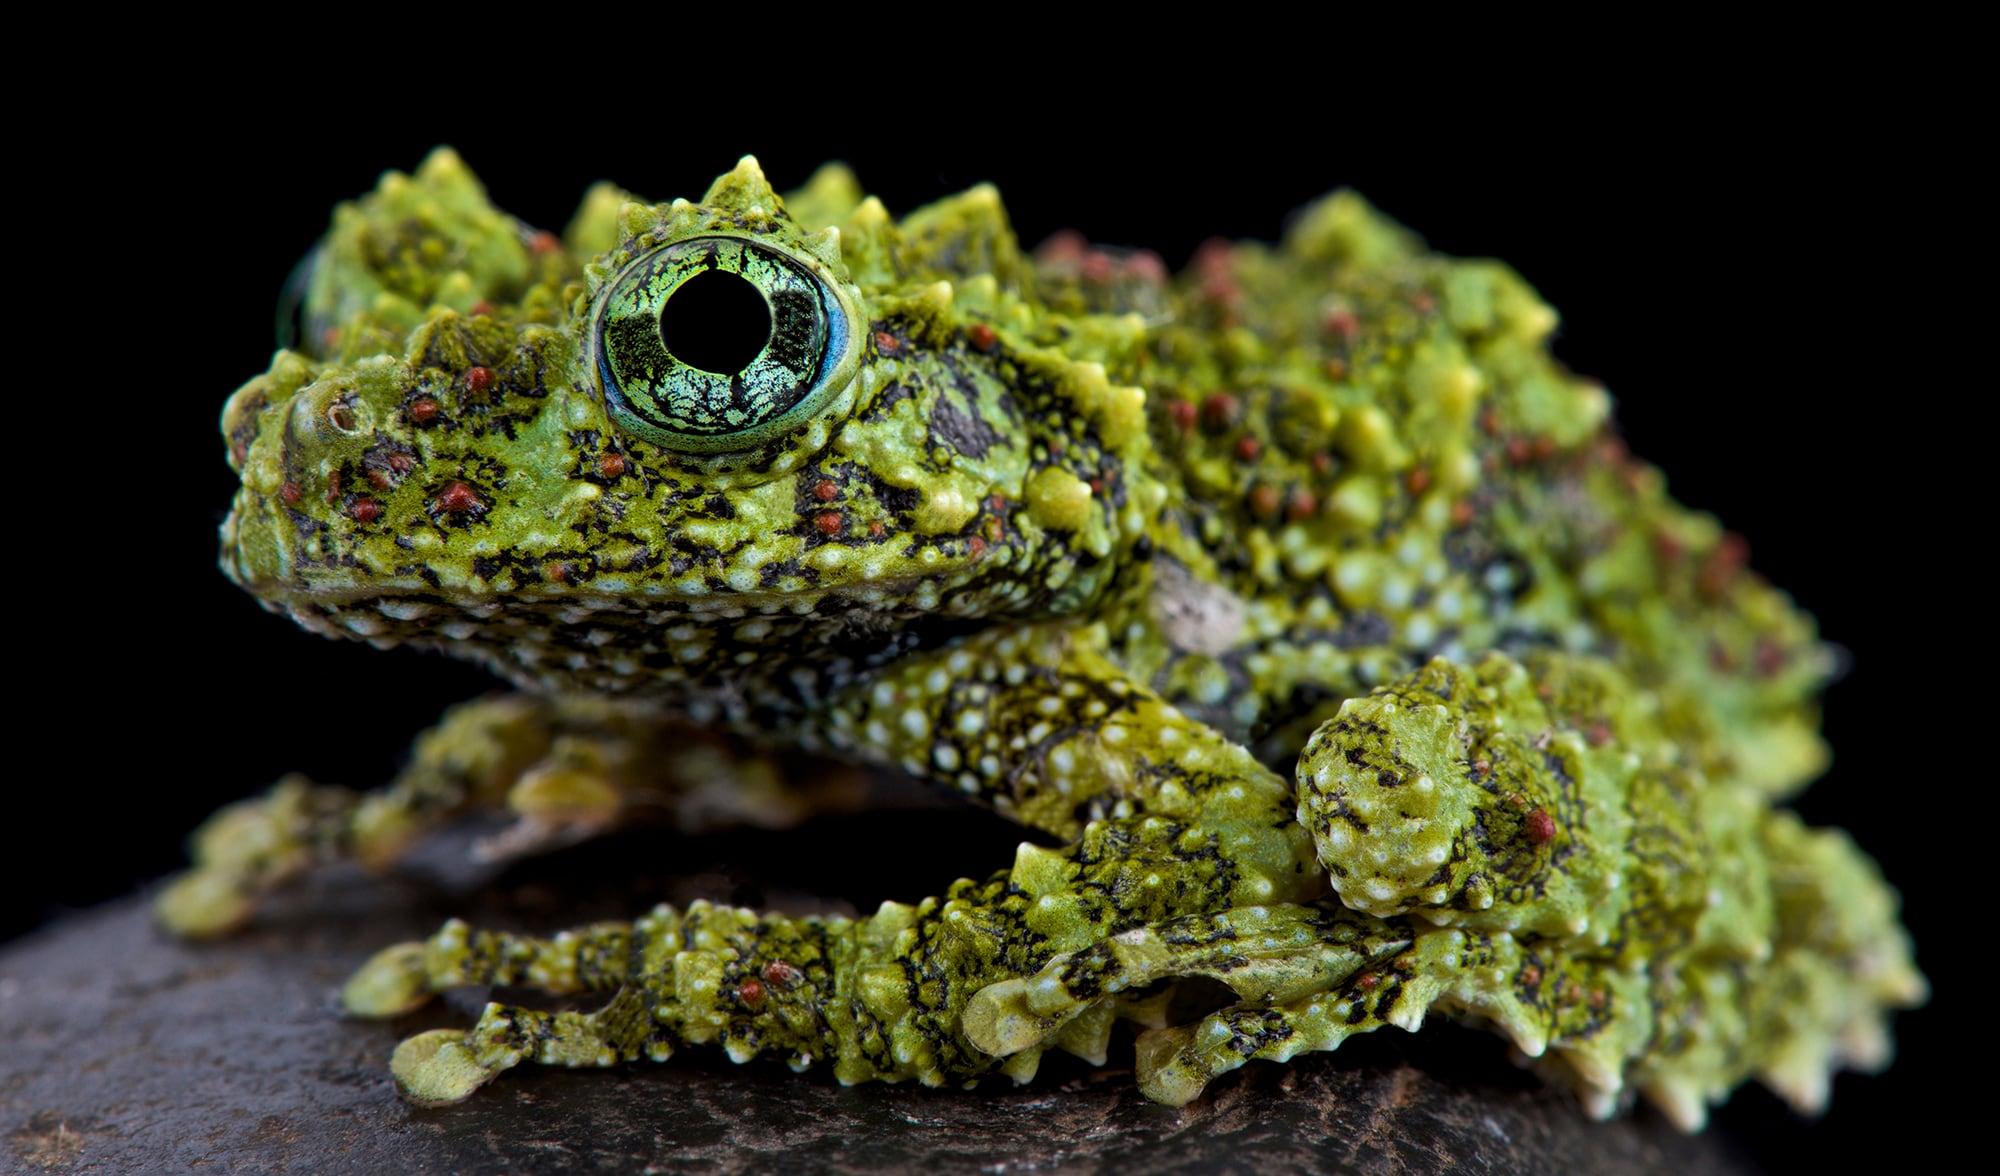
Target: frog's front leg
[[1038, 723], [566, 768]]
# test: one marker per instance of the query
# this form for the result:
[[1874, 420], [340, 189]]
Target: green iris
[[718, 343]]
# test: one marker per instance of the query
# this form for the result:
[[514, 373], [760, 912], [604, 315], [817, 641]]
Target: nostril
[[340, 414]]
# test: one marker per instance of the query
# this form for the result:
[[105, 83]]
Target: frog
[[1338, 660]]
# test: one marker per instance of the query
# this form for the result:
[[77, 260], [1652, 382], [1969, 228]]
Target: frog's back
[[1373, 459]]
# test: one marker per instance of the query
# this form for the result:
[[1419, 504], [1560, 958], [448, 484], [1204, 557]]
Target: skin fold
[[1312, 609]]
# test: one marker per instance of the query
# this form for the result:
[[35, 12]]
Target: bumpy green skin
[[1104, 551]]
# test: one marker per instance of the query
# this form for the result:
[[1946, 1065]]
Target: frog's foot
[[400, 978], [250, 847], [1265, 954], [566, 768], [447, 1065]]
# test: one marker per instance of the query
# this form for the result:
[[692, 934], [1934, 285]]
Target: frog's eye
[[719, 343]]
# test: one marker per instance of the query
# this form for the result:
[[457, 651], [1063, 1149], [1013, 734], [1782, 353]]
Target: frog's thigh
[[400, 978], [1038, 723]]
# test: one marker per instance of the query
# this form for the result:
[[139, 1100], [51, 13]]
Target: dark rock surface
[[124, 1051]]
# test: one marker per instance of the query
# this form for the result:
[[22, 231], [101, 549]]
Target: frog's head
[[739, 425]]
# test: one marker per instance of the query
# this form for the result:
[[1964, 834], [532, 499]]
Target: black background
[[1750, 264]]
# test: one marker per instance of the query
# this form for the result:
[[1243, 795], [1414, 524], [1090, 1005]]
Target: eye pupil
[[716, 321]]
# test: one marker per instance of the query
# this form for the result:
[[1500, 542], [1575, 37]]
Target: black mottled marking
[[962, 430]]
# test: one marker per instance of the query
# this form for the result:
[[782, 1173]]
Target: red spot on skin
[[1573, 992], [982, 336], [1264, 500], [611, 464], [1183, 414], [381, 480], [1418, 480], [240, 452], [1719, 570], [751, 992], [875, 529], [1461, 512], [458, 498], [1098, 268], [1517, 800], [423, 409], [365, 510], [1301, 505], [544, 242], [885, 343], [826, 491], [401, 462], [482, 307], [1598, 999], [291, 493], [1519, 450], [975, 546], [1611, 449], [1489, 422], [1097, 486], [478, 379], [1531, 975], [1322, 463], [996, 530], [1668, 546], [1545, 448], [1770, 658], [998, 504], [557, 573], [1541, 827], [1219, 411], [1369, 982], [329, 337], [1424, 301], [1480, 767], [1336, 369], [1545, 692], [1598, 734], [779, 974], [829, 524], [1247, 448], [333, 487], [1342, 323]]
